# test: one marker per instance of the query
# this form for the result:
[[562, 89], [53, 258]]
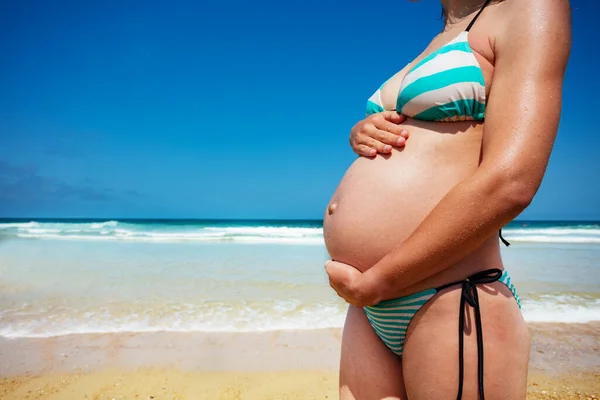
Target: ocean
[[62, 277]]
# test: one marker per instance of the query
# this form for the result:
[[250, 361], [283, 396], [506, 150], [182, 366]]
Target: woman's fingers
[[365, 150], [391, 121], [369, 141], [380, 132], [392, 132], [369, 147], [393, 116]]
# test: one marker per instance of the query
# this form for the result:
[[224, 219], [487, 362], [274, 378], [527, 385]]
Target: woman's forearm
[[468, 215]]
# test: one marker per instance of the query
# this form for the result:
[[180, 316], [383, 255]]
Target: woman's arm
[[522, 118]]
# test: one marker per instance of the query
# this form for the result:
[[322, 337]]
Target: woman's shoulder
[[531, 19], [537, 30], [508, 24], [520, 8]]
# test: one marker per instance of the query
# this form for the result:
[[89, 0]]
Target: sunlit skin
[[428, 213], [379, 135]]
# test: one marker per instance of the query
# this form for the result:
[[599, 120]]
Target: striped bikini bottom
[[390, 318]]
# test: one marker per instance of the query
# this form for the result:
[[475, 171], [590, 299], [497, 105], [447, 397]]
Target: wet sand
[[565, 364]]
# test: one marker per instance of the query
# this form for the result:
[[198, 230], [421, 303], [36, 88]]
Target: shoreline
[[294, 364], [187, 351]]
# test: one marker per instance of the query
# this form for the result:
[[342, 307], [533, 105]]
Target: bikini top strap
[[476, 16]]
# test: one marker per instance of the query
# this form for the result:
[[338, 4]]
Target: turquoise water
[[59, 277]]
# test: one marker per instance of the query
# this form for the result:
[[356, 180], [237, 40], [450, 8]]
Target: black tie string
[[469, 296], [506, 242]]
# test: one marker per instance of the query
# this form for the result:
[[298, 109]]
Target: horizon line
[[107, 219]]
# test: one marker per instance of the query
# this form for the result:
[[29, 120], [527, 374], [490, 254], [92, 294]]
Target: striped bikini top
[[447, 85]]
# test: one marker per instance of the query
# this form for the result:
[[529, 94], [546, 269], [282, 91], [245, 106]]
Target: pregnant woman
[[413, 232]]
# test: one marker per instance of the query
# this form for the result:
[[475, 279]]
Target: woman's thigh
[[368, 369], [430, 357]]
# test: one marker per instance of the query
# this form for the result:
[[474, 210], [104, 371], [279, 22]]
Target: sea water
[[81, 276]]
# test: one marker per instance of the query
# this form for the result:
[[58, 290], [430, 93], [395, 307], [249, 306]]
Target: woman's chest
[[455, 70]]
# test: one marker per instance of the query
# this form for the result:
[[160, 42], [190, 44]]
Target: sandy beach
[[565, 364]]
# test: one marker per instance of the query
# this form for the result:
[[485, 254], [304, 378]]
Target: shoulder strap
[[477, 16]]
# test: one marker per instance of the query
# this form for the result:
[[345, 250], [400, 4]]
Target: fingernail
[[372, 152], [404, 132], [387, 148], [400, 141]]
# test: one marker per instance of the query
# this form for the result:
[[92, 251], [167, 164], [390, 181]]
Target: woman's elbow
[[520, 195], [515, 191]]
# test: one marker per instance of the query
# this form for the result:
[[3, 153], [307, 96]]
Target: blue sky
[[233, 110]]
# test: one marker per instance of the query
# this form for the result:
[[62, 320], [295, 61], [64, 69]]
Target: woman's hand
[[378, 133], [350, 284]]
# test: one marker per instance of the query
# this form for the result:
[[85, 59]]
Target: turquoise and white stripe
[[390, 318], [374, 104], [505, 278], [447, 85]]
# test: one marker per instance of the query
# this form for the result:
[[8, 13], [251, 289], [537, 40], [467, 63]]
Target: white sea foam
[[248, 317], [18, 225], [185, 318], [176, 237], [554, 234], [199, 232], [561, 308], [581, 230], [281, 231], [116, 231], [553, 239], [107, 224]]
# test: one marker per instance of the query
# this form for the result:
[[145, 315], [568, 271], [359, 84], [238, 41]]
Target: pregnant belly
[[381, 201]]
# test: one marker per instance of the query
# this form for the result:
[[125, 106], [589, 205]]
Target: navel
[[332, 207]]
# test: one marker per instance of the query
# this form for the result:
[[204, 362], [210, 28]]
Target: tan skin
[[379, 133], [428, 214]]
